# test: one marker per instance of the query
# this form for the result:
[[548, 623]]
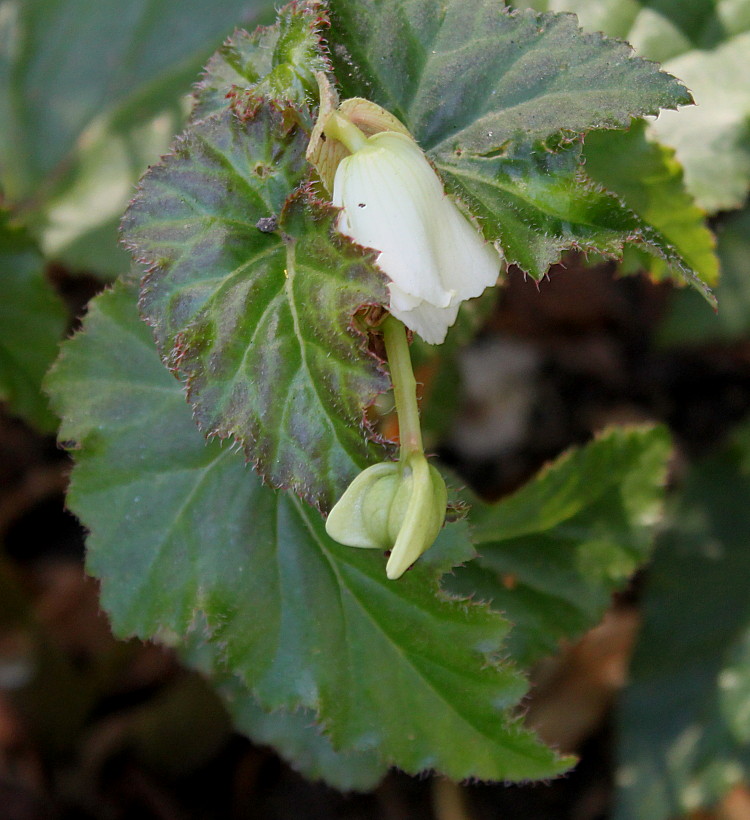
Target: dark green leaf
[[195, 217], [536, 201], [277, 62], [260, 323], [184, 536], [89, 95], [552, 554], [685, 732], [32, 323], [473, 75], [649, 180]]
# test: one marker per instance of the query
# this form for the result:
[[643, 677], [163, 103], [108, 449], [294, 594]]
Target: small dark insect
[[362, 205], [267, 224]]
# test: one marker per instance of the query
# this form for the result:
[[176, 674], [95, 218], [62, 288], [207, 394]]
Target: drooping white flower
[[393, 201]]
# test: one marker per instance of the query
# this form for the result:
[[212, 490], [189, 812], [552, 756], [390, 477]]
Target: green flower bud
[[396, 506]]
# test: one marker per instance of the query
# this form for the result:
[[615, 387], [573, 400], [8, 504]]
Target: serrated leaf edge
[[317, 13]]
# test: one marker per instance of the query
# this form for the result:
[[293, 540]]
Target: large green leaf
[[260, 321], [32, 323], [185, 537], [684, 720], [537, 202], [473, 75], [487, 93], [706, 43], [551, 554], [89, 95], [650, 181]]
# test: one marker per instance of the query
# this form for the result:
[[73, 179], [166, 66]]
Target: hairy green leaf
[[551, 554], [684, 727], [649, 180], [252, 301], [195, 219], [473, 75], [537, 202], [32, 323], [89, 95], [707, 44], [276, 62], [184, 536]]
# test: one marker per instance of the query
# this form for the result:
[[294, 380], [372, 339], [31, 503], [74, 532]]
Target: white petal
[[389, 191], [401, 300], [394, 202], [468, 264], [430, 322]]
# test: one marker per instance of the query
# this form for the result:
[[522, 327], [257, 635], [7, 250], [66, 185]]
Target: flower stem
[[346, 132], [404, 387]]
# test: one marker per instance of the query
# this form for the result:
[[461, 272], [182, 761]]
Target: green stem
[[404, 387], [347, 133]]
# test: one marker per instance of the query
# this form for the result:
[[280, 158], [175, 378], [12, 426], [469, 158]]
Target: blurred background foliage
[[90, 94]]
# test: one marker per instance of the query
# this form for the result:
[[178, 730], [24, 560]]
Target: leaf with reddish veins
[[260, 322]]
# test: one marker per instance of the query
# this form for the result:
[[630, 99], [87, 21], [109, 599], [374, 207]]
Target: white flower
[[393, 201]]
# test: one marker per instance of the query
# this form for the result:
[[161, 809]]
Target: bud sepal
[[397, 506]]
